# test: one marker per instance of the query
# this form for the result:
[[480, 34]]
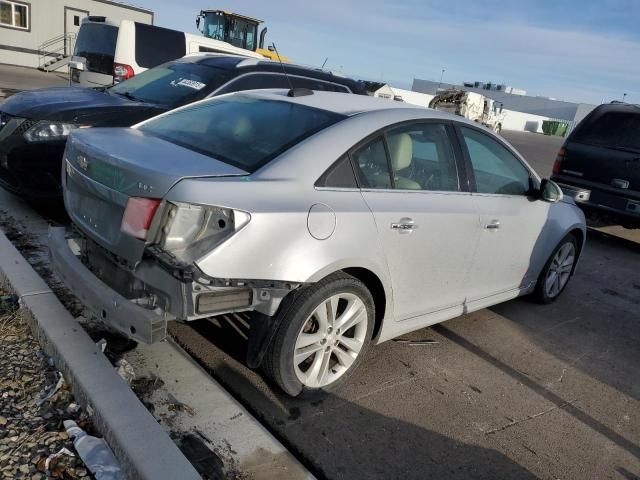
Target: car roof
[[250, 64], [616, 106], [344, 103]]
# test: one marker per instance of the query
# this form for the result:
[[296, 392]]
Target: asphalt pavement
[[516, 391], [539, 150], [14, 78]]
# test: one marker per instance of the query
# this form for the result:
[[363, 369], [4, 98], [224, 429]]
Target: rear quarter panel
[[277, 244]]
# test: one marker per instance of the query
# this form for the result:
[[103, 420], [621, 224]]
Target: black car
[[34, 124], [599, 164]]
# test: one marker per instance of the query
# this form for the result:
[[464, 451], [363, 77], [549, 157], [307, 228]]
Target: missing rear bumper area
[[139, 302]]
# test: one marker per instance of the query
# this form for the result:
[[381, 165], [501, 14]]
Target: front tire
[[322, 336], [557, 271]]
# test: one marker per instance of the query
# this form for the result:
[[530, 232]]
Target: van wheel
[[557, 271], [323, 334]]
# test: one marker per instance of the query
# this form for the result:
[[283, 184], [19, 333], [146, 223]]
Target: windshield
[[97, 43], [234, 30], [213, 26], [173, 84], [242, 131], [613, 130]]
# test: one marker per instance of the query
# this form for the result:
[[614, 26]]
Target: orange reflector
[[138, 216]]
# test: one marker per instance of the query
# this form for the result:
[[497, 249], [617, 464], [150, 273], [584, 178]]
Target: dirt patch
[[37, 255], [205, 461]]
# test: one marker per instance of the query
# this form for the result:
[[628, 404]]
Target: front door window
[[496, 169]]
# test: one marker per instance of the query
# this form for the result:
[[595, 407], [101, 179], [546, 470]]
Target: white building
[[521, 112], [33, 29], [498, 87]]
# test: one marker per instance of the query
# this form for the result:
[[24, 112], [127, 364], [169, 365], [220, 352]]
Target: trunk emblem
[[144, 187], [83, 163]]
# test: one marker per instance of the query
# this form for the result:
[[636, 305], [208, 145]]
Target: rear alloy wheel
[[557, 271], [322, 336], [330, 340]]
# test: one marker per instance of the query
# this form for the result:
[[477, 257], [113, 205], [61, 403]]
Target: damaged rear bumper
[[109, 306], [139, 302]]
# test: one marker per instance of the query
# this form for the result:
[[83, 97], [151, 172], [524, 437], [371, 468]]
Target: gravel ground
[[31, 429], [210, 462]]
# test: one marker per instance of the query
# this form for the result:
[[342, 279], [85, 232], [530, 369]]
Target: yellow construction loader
[[238, 30]]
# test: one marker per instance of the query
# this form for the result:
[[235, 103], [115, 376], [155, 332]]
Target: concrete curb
[[143, 448], [251, 450]]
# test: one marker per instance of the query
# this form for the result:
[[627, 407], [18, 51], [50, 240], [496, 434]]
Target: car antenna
[[293, 92]]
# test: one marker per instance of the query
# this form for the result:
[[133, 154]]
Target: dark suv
[[34, 125], [599, 163]]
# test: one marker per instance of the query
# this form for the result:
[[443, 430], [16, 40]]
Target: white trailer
[[471, 105]]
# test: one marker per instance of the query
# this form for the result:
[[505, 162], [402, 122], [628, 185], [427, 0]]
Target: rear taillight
[[557, 165], [138, 216], [122, 72]]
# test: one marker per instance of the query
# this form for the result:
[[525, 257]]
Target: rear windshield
[[97, 43], [242, 131], [173, 84], [612, 129]]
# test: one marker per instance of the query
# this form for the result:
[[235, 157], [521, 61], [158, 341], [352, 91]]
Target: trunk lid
[[606, 166], [103, 168]]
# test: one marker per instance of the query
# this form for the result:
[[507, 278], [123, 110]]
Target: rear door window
[[255, 81], [372, 164], [97, 43], [240, 130], [339, 175], [422, 158], [156, 45], [316, 84], [612, 129]]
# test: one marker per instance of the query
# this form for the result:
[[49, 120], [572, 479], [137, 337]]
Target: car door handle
[[405, 225], [492, 225]]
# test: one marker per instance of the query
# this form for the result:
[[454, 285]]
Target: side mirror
[[550, 191]]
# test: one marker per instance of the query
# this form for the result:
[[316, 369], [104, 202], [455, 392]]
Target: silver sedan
[[338, 220]]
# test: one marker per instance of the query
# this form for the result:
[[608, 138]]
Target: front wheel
[[557, 271], [322, 336]]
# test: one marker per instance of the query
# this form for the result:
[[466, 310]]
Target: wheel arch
[[375, 279], [581, 237], [375, 286]]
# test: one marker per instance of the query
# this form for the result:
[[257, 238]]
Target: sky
[[575, 50]]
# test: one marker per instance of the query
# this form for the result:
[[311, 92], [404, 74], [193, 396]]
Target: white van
[[108, 51]]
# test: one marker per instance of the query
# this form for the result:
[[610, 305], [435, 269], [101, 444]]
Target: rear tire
[[323, 335], [557, 271]]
